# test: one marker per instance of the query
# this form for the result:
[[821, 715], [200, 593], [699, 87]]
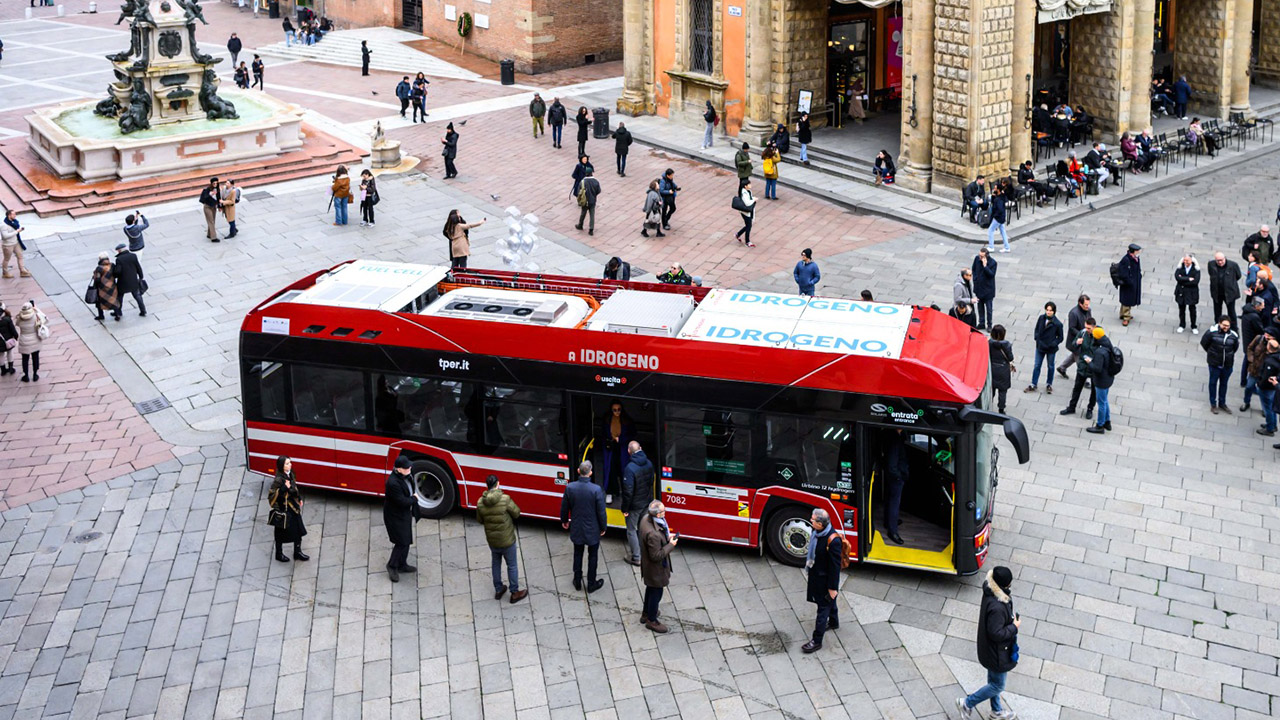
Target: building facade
[[960, 76]]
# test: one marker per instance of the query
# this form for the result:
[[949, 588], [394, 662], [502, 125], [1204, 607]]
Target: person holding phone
[[658, 541], [997, 643]]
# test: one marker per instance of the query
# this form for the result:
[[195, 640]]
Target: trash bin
[[273, 9], [601, 116], [508, 72]]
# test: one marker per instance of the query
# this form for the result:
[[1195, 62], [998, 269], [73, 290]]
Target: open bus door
[[592, 428], [909, 478]]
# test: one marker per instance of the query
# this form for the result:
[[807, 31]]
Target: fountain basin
[[76, 143]]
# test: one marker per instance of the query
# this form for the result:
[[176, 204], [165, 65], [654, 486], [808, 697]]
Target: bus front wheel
[[436, 486], [787, 535]]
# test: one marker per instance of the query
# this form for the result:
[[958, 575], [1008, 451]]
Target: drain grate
[[83, 538], [147, 407], [259, 195]]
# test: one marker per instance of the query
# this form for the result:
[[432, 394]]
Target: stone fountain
[[163, 112]]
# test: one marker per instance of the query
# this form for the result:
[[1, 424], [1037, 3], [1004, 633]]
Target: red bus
[[755, 407]]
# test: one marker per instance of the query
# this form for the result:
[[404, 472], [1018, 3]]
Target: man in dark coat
[[896, 471], [622, 145], [1130, 283], [984, 286], [129, 277], [823, 564], [450, 151], [1252, 323], [365, 52], [804, 136], [399, 508], [637, 492], [582, 514], [667, 188], [404, 91], [997, 641], [1100, 372], [556, 116], [1224, 287], [657, 541], [1075, 323], [1181, 96], [1048, 337], [1082, 347], [234, 46], [211, 199], [591, 191], [975, 195], [1260, 243], [1220, 345]]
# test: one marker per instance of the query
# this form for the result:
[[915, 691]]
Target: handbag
[[275, 518], [91, 295], [42, 331], [739, 204], [10, 344], [143, 286]]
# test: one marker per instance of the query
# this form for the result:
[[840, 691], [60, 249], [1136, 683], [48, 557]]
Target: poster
[[806, 100], [893, 59]]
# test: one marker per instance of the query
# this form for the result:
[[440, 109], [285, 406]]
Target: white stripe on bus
[[305, 461], [318, 442], [718, 516], [513, 488], [480, 462]]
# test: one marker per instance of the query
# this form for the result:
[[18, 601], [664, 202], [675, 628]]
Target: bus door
[[602, 428], [909, 496]]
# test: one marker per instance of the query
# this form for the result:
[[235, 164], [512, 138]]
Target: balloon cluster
[[522, 238]]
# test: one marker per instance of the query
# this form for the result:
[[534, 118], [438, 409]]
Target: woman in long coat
[[104, 282], [285, 497]]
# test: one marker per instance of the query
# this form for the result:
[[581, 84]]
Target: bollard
[[28, 12], [93, 8], [62, 11]]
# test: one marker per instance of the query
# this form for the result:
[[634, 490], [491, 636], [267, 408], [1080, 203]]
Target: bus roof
[[775, 338]]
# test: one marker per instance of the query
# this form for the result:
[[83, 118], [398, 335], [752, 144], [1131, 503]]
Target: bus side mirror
[[1016, 433]]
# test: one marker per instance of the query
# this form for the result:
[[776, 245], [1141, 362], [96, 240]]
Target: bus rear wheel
[[787, 535], [436, 486]]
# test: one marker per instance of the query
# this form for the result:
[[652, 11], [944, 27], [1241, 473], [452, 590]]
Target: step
[[11, 176]]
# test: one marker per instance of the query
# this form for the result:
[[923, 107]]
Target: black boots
[[298, 554], [7, 370], [280, 552]]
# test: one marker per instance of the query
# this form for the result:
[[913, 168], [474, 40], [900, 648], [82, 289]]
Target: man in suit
[[129, 277], [398, 512], [582, 514]]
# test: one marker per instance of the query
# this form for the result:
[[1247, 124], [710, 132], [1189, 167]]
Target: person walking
[[587, 194], [621, 146], [450, 151], [582, 514], [285, 498], [33, 328], [420, 83], [8, 340], [537, 111], [667, 188], [584, 123], [365, 54], [404, 92], [1100, 372], [823, 562], [234, 46], [1181, 96], [211, 199], [806, 273], [368, 196], [1220, 345], [580, 172], [230, 196], [11, 245], [1252, 324], [984, 286], [638, 479], [399, 510], [129, 279], [1082, 347], [134, 226], [290, 33], [657, 542], [340, 189], [997, 643], [1048, 337], [1075, 323], [742, 162], [999, 216], [498, 513], [556, 118], [745, 204], [711, 119], [1002, 367], [804, 136], [1224, 287], [458, 232], [1129, 281], [1187, 291], [769, 160], [259, 72], [104, 284], [652, 211]]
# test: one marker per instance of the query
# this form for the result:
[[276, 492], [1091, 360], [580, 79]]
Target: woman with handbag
[[33, 328], [745, 203], [340, 190], [106, 296], [368, 197], [286, 510], [9, 339], [652, 211]]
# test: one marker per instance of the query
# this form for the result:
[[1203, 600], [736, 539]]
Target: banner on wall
[[893, 52]]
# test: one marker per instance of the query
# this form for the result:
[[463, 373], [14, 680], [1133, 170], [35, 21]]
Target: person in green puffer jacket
[[498, 512]]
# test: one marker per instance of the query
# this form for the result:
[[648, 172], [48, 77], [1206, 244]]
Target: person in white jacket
[[10, 245]]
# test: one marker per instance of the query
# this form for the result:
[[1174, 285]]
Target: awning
[[868, 3]]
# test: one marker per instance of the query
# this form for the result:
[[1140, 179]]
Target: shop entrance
[[1052, 65]]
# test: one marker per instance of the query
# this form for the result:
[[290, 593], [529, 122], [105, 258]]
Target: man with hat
[[398, 512], [129, 277], [1129, 280], [806, 273], [997, 643]]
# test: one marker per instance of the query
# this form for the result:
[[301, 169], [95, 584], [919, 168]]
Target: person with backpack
[[1220, 345], [825, 561], [712, 120], [1082, 347], [587, 194], [1104, 363], [579, 172], [998, 628], [1127, 276]]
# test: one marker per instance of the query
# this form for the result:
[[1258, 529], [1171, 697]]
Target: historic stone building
[[957, 78]]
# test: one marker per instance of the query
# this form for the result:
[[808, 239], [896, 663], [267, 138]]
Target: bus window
[[699, 441], [985, 469], [422, 407], [524, 418], [265, 392], [329, 396], [812, 450]]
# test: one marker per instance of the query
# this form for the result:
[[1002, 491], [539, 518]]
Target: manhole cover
[[149, 406], [259, 195], [86, 537]]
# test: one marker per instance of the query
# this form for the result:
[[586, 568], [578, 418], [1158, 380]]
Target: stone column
[[1144, 36], [915, 163], [1024, 34], [1267, 71], [1241, 42], [634, 53], [758, 123]]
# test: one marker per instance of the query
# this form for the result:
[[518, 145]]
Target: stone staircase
[[846, 167], [342, 47]]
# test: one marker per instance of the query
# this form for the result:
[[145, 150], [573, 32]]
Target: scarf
[[661, 524], [813, 544]]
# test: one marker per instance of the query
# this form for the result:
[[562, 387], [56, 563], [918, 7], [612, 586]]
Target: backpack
[[582, 194], [1117, 276], [844, 550], [984, 218], [1115, 361]]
